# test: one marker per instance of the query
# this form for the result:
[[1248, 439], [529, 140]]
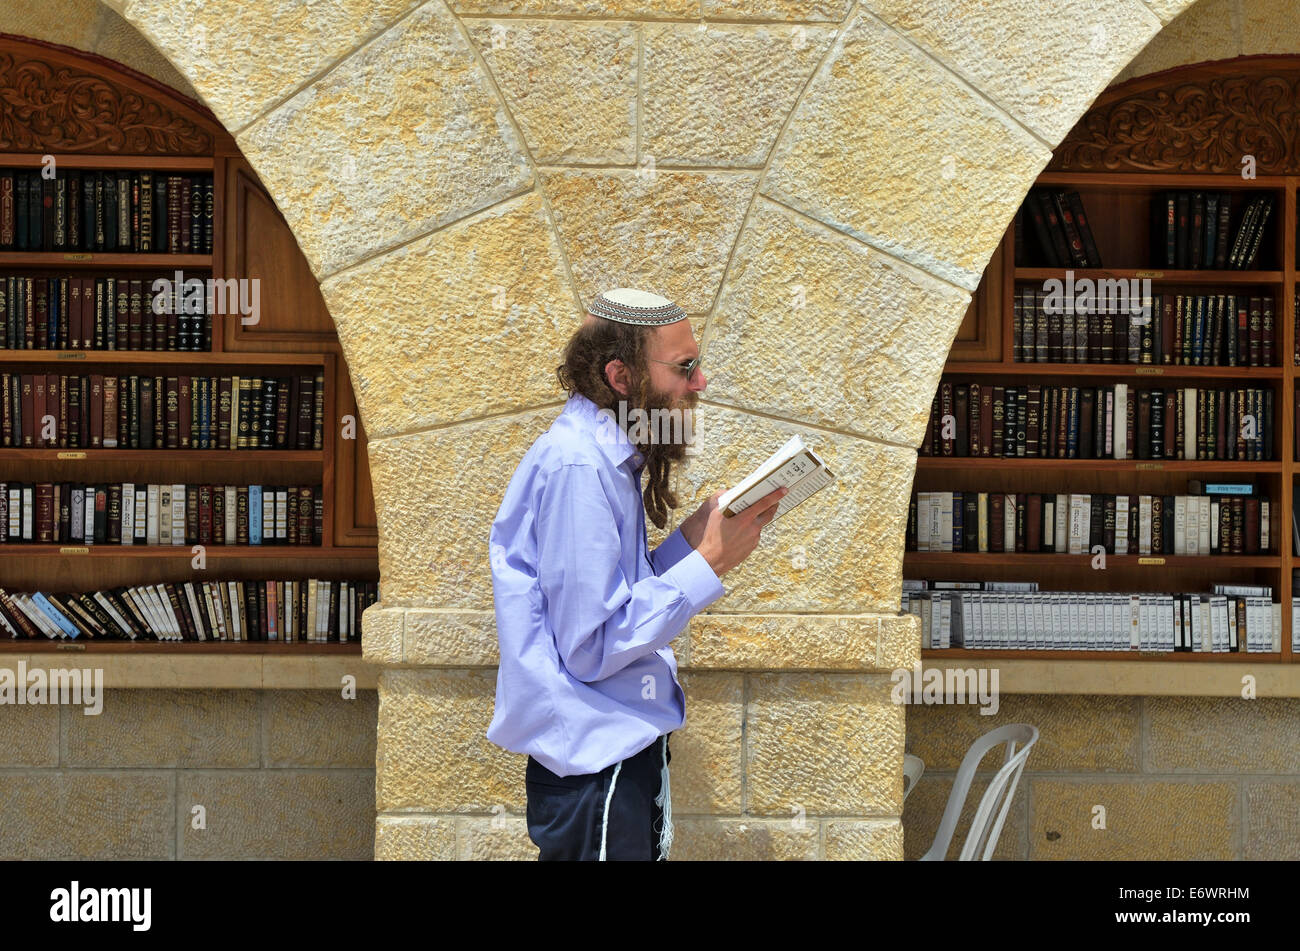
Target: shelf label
[[70, 647], [1149, 465], [1151, 561], [1152, 275], [72, 355], [72, 455], [1149, 371], [74, 550], [79, 257]]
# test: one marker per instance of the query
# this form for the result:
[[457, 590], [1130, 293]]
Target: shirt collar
[[604, 429]]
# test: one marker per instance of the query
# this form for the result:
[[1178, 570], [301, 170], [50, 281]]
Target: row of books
[[1224, 521], [121, 211], [1231, 619], [1104, 422], [110, 312], [93, 411], [1060, 227], [305, 610], [1190, 230], [131, 513], [1169, 328]]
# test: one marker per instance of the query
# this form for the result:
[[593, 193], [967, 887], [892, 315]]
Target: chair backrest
[[984, 830], [913, 767]]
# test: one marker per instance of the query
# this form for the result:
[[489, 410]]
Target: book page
[[803, 475]]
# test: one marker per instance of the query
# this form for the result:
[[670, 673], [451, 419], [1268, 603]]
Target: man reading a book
[[585, 613]]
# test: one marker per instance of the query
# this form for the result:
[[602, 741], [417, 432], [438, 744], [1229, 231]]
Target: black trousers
[[566, 814]]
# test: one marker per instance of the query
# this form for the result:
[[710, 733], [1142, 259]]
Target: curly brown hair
[[591, 347]]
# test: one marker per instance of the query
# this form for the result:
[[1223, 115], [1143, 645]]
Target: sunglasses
[[686, 369]]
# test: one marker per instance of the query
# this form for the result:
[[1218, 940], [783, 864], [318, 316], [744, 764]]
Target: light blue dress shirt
[[584, 611]]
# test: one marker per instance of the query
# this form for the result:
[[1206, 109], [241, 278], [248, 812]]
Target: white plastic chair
[[913, 768], [1002, 789]]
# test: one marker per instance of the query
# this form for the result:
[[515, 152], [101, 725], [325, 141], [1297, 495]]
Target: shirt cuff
[[670, 551], [696, 578]]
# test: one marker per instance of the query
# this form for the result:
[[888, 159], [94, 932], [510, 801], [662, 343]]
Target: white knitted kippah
[[630, 306]]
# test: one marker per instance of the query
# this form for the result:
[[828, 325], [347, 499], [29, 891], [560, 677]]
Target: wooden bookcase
[[90, 113], [1138, 140]]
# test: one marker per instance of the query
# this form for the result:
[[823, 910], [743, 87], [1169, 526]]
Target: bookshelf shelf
[[179, 647], [214, 552], [212, 359], [242, 456], [1157, 276], [1140, 656], [103, 259], [1231, 181], [1125, 201], [1117, 371], [1030, 560], [293, 347], [1020, 464], [111, 160]]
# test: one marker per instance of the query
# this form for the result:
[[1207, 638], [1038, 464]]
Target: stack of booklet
[[1017, 616]]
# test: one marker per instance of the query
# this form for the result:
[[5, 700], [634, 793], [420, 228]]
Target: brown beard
[[662, 450]]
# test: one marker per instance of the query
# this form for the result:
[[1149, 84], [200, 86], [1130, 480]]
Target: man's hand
[[693, 527], [728, 541]]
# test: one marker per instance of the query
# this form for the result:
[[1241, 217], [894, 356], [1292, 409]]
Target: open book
[[794, 466]]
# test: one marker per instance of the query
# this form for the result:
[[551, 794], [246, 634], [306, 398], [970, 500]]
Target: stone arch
[[462, 176]]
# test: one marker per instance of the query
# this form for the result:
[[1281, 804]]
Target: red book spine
[[186, 415], [52, 410], [38, 409], [27, 411], [96, 410], [997, 513], [205, 515], [110, 412], [85, 315]]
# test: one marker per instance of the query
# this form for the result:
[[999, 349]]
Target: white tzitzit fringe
[[604, 822], [665, 799]]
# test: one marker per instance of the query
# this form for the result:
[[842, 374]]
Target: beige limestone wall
[[1178, 778], [1220, 29], [279, 774]]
